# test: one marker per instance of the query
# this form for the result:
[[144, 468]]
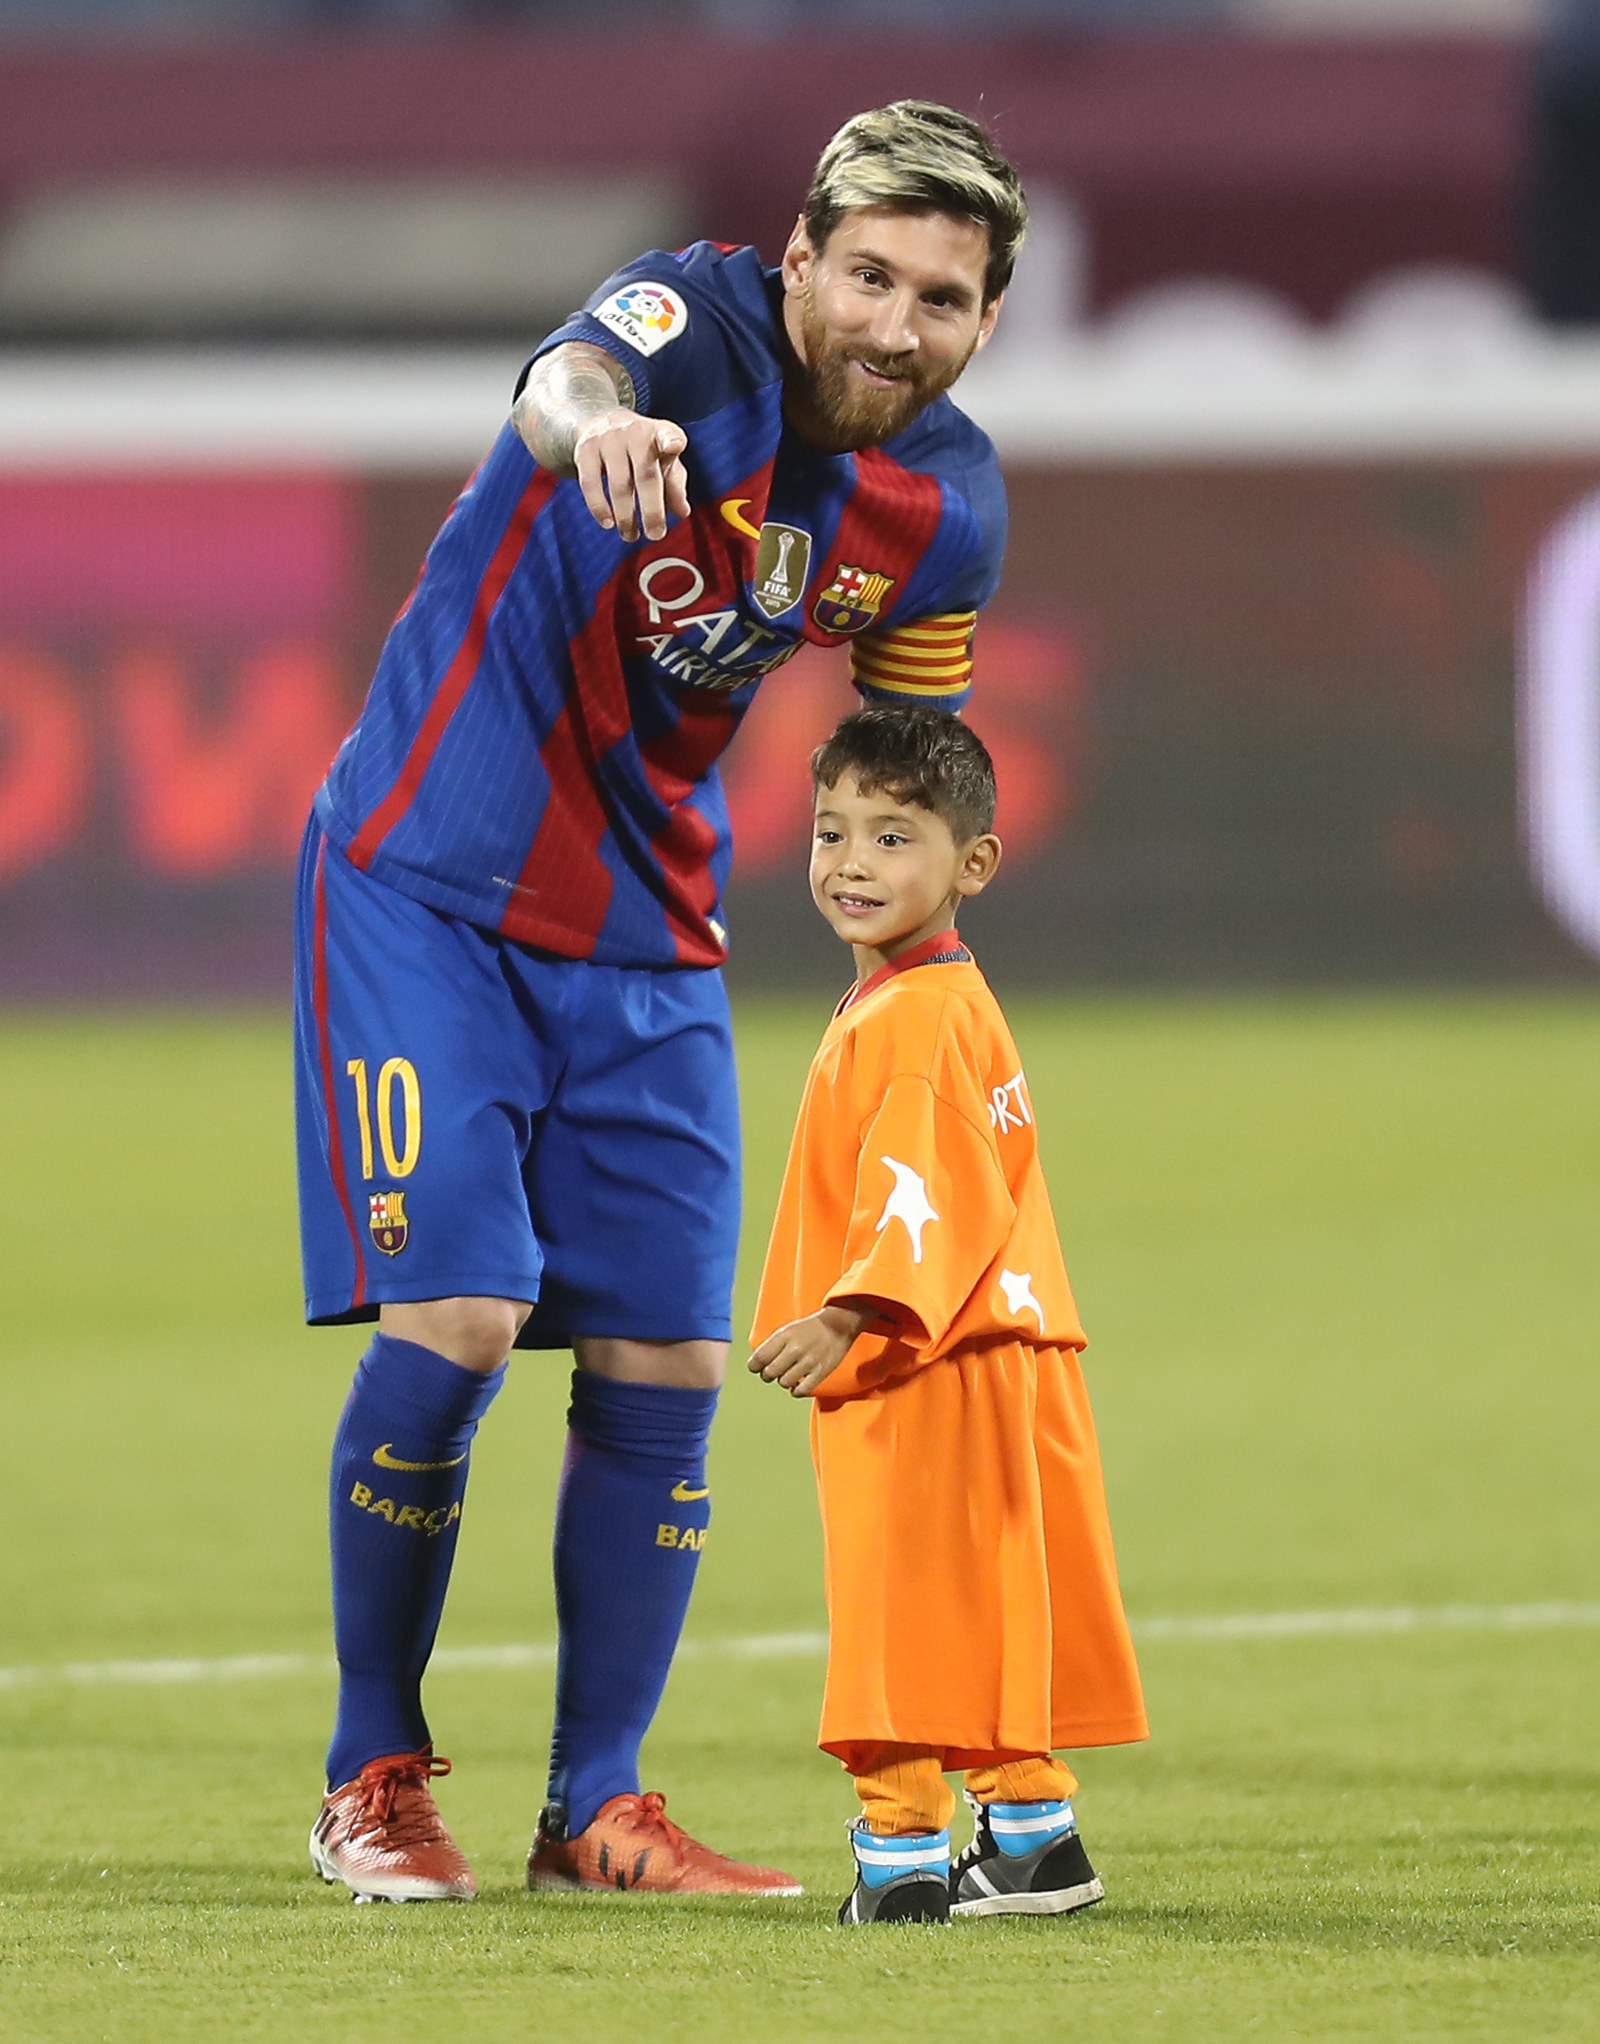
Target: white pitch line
[[1395, 1618], [759, 1646], [775, 1646]]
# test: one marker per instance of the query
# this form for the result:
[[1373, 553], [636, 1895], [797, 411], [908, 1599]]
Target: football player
[[516, 1102]]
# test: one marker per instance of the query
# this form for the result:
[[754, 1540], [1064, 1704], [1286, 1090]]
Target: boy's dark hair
[[915, 755]]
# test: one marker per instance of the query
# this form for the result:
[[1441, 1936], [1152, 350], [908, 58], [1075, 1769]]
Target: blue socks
[[629, 1529], [399, 1476]]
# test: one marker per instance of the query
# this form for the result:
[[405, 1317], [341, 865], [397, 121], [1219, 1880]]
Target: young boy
[[914, 1289]]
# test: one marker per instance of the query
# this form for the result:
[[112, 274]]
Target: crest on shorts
[[783, 567], [386, 1217], [851, 600]]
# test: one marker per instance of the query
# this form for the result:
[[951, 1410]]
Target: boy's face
[[887, 874]]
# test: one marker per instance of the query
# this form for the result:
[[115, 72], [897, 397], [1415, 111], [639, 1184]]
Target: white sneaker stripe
[[903, 1862], [1028, 1827]]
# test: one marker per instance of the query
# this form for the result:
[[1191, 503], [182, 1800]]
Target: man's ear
[[979, 864], [991, 312], [797, 257]]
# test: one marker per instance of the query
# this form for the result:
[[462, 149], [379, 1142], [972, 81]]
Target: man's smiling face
[[882, 320]]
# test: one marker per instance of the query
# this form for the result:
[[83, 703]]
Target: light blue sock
[[1020, 1828], [881, 1859]]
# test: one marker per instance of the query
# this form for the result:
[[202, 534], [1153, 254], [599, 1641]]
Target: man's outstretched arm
[[576, 415]]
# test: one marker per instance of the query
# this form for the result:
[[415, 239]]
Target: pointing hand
[[631, 472]]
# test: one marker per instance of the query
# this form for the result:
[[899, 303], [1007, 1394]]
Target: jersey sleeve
[[932, 1211], [974, 581], [645, 317]]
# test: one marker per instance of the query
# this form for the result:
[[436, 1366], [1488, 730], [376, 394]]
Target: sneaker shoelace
[[982, 1842]]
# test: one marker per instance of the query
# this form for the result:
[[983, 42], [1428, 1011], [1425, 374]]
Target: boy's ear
[[979, 864]]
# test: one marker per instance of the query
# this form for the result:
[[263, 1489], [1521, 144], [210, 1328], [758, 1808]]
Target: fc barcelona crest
[[783, 567], [386, 1217], [851, 600]]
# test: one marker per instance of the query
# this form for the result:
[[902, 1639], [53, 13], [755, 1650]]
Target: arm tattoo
[[565, 389]]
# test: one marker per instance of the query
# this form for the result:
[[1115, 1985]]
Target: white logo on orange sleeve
[[909, 1203], [1018, 1288], [1008, 1105]]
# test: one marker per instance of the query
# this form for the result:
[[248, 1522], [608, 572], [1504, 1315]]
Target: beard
[[851, 417]]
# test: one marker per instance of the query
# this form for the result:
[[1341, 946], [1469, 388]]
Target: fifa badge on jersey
[[851, 600], [386, 1217], [783, 567], [646, 316]]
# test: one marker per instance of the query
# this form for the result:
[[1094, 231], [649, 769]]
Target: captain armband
[[930, 660]]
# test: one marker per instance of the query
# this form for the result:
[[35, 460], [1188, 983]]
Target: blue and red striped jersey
[[538, 750]]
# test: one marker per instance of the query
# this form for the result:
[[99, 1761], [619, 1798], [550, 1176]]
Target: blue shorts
[[479, 1119]]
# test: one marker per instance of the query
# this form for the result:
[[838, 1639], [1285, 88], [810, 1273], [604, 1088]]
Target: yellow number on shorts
[[402, 1162], [357, 1070]]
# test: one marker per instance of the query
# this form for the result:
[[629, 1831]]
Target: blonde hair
[[916, 156]]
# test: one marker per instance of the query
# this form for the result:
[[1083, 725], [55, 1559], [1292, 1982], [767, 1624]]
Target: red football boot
[[382, 1835], [633, 1844]]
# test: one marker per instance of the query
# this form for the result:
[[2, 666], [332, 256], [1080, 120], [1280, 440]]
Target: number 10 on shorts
[[376, 1106]]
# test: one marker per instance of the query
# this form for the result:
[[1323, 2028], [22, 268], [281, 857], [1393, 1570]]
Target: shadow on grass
[[114, 1884]]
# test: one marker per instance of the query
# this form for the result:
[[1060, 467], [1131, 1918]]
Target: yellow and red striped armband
[[930, 660]]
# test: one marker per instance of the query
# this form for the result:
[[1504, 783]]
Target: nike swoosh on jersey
[[385, 1460], [682, 1495], [732, 509]]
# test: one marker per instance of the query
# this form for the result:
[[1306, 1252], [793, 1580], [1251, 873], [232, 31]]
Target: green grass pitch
[[1338, 1258]]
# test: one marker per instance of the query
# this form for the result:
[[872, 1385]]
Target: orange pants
[[902, 1788]]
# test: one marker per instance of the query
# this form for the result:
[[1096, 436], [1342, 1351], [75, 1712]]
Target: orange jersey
[[914, 1178], [972, 1592]]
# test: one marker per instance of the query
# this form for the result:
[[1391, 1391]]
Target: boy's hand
[[803, 1355]]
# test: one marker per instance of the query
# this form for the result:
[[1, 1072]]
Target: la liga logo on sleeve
[[646, 316]]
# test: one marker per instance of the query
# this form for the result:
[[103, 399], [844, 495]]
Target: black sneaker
[[1052, 1880], [881, 1895], [909, 1898]]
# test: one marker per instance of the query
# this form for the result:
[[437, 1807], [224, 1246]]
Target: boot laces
[[394, 1795], [653, 1815]]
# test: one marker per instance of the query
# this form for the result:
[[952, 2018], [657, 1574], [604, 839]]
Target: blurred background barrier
[[1303, 165], [403, 257], [1251, 685], [1297, 392]]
